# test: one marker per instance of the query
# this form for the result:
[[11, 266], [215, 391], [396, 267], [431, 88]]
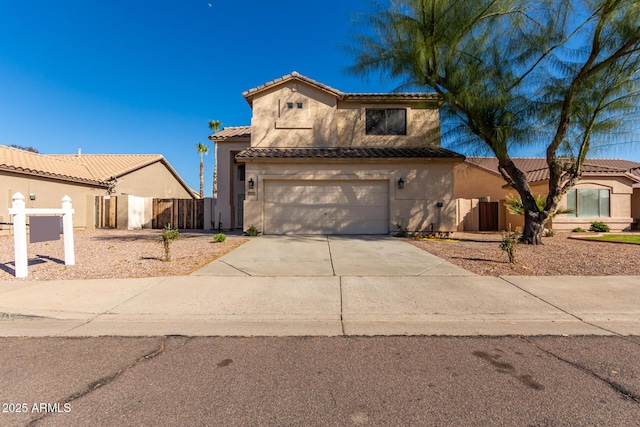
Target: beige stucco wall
[[49, 194], [426, 183], [474, 183], [154, 181], [228, 186], [274, 125], [423, 126], [326, 122], [620, 205]]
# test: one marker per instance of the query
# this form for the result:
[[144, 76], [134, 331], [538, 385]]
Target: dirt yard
[[481, 254], [116, 254], [138, 253]]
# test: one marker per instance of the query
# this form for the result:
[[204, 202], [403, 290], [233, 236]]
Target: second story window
[[390, 121]]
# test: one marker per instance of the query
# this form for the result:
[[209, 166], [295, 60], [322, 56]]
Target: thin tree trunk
[[201, 178]]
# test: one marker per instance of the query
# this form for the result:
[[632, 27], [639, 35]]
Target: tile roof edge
[[35, 172], [294, 75]]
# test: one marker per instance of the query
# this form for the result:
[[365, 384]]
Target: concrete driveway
[[329, 256]]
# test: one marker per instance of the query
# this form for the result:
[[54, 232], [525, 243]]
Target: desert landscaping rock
[[111, 254], [480, 253]]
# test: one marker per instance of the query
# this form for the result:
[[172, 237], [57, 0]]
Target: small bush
[[252, 231], [579, 230], [549, 233], [600, 227], [509, 243], [167, 237], [219, 238], [402, 231]]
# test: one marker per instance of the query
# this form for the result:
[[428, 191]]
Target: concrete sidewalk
[[318, 285], [200, 305]]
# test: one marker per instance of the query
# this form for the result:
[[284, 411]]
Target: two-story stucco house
[[316, 160]]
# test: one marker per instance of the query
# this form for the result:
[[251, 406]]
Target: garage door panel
[[335, 195], [326, 207], [324, 227]]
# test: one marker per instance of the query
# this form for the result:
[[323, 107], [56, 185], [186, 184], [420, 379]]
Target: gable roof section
[[16, 160], [107, 166], [231, 133], [294, 76], [347, 153], [537, 170], [371, 97], [93, 169]]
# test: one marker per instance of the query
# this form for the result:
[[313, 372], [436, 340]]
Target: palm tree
[[214, 126], [202, 151]]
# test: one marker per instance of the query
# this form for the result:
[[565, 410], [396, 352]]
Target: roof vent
[[79, 152]]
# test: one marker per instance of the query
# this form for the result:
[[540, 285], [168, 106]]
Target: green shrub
[[252, 231], [599, 226], [167, 237], [579, 230], [219, 238], [549, 233], [509, 244], [402, 231]]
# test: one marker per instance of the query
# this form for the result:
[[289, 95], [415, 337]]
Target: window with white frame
[[589, 202], [389, 121]]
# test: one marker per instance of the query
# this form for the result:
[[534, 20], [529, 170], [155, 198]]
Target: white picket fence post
[[19, 234], [20, 212], [67, 230]]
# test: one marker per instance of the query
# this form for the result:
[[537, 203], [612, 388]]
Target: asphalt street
[[320, 381]]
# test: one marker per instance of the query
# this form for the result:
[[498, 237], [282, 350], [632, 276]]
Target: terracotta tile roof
[[379, 97], [95, 169], [232, 132], [346, 153], [106, 166], [393, 97], [537, 170], [15, 160]]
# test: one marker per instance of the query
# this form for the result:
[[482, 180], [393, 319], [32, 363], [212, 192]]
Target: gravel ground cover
[[559, 255], [111, 254], [138, 253]]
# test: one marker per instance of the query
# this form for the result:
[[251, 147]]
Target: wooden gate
[[488, 216], [180, 213], [106, 212]]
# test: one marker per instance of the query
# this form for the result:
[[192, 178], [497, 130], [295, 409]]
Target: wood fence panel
[[162, 211], [106, 212], [488, 212], [180, 213]]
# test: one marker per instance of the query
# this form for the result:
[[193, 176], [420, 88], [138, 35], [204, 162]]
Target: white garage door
[[326, 207]]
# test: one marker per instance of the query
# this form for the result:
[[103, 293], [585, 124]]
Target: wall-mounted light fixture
[[251, 184], [32, 196], [401, 183]]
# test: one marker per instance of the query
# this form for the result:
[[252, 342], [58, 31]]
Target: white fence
[[20, 212]]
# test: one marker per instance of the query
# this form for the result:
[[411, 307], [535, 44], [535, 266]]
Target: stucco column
[[19, 234], [67, 230]]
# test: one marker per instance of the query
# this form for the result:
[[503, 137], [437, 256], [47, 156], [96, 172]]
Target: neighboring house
[[609, 191], [319, 161], [45, 179]]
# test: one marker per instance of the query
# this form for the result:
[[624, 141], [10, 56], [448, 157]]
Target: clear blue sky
[[142, 76]]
